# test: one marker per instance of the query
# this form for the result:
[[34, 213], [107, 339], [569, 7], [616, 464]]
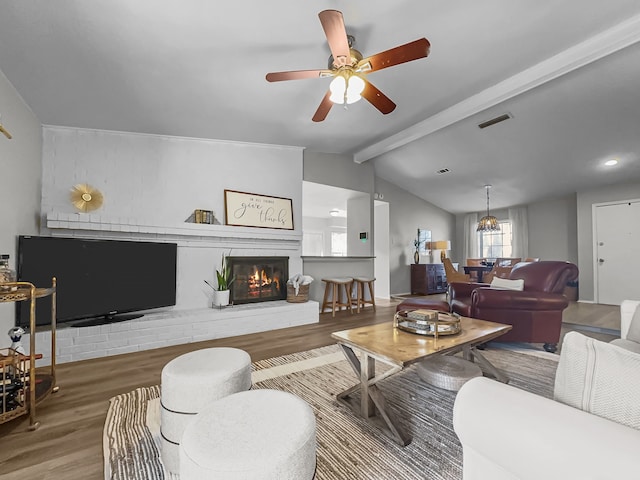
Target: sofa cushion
[[634, 327], [626, 344], [506, 284], [599, 378]]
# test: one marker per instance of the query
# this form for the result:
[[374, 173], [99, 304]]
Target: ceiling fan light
[[337, 88], [355, 86], [352, 98]]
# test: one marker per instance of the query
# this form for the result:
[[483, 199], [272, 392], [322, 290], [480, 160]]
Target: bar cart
[[23, 388]]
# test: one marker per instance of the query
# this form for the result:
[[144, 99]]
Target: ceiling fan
[[349, 68]]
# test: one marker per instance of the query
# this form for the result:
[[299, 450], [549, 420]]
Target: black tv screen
[[96, 279]]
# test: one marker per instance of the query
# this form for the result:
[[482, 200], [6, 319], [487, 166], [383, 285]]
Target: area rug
[[347, 446]]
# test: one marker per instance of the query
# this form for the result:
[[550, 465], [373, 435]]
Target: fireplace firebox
[[258, 279]]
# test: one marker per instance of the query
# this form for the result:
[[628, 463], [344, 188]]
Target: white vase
[[220, 298]]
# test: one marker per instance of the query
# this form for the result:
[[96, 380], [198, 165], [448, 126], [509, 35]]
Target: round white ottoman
[[192, 381], [255, 435], [445, 371]]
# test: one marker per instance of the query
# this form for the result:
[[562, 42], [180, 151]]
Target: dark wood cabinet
[[428, 278]]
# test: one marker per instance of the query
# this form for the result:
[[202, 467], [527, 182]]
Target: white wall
[[20, 168], [381, 216], [359, 220], [553, 229], [339, 171], [151, 178], [407, 213]]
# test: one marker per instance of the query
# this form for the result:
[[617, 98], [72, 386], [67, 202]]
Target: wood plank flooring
[[68, 444]]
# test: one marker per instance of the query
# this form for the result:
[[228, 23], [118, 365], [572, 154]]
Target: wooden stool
[[360, 283], [333, 285]]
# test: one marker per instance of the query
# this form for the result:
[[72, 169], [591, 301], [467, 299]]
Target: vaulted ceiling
[[566, 70]]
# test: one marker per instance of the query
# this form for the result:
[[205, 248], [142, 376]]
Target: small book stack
[[203, 216], [423, 315]]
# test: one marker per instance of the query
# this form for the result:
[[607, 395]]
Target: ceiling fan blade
[[323, 109], [378, 99], [395, 56], [297, 75], [336, 33]]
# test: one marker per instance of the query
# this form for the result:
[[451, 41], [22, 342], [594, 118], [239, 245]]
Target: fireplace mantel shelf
[[101, 223]]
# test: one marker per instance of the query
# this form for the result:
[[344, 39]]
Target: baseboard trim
[[590, 328]]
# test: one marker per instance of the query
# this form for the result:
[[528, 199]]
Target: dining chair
[[475, 262], [507, 262], [496, 271], [452, 274]]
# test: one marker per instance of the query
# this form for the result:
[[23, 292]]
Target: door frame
[[381, 267]]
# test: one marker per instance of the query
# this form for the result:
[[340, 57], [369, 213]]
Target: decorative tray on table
[[427, 322]]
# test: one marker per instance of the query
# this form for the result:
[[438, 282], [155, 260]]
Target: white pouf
[[255, 435], [192, 381], [445, 371]]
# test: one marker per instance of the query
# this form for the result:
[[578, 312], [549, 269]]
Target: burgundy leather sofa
[[535, 312]]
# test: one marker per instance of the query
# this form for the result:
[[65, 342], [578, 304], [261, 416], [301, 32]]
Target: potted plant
[[225, 279]]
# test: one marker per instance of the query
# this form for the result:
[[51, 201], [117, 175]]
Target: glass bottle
[[6, 273]]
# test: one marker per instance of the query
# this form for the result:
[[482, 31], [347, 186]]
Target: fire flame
[[261, 279]]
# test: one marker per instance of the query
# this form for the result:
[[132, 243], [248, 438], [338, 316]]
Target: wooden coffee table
[[399, 349]]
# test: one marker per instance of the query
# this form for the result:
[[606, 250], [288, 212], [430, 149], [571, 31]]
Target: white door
[[617, 249], [381, 242]]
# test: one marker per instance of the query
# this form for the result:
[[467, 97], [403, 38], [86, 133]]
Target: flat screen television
[[97, 280]]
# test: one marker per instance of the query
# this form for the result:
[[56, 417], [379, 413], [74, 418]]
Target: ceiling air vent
[[442, 170], [493, 121]]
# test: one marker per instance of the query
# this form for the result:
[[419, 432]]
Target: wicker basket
[[303, 294]]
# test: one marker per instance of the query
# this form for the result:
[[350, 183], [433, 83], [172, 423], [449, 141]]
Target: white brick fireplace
[[151, 185]]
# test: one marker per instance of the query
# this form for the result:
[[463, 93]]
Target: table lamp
[[443, 246]]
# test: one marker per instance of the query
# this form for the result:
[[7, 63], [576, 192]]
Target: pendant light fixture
[[488, 223]]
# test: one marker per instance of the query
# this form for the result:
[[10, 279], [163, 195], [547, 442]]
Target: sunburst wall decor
[[86, 198]]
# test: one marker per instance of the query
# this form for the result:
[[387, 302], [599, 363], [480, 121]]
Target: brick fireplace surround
[[192, 319]]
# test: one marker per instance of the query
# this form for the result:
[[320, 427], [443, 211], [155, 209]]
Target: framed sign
[[252, 210]]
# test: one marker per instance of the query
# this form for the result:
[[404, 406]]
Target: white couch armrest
[[627, 309], [507, 433]]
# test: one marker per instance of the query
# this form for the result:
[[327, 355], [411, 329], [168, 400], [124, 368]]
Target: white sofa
[[627, 309], [507, 433]]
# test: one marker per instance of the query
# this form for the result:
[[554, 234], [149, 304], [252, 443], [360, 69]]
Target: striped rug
[[348, 447]]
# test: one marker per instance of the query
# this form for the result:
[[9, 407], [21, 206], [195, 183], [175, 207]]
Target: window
[[339, 244], [496, 244], [312, 243]]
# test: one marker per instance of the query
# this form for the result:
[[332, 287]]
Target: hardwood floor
[[68, 444]]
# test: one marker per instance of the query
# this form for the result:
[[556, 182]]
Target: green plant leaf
[[224, 275]]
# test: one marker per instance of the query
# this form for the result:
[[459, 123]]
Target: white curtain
[[470, 244], [520, 231]]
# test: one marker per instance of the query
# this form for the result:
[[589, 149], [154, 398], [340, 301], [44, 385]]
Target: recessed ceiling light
[[611, 163], [334, 213]]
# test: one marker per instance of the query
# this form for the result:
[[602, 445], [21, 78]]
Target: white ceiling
[[567, 70]]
